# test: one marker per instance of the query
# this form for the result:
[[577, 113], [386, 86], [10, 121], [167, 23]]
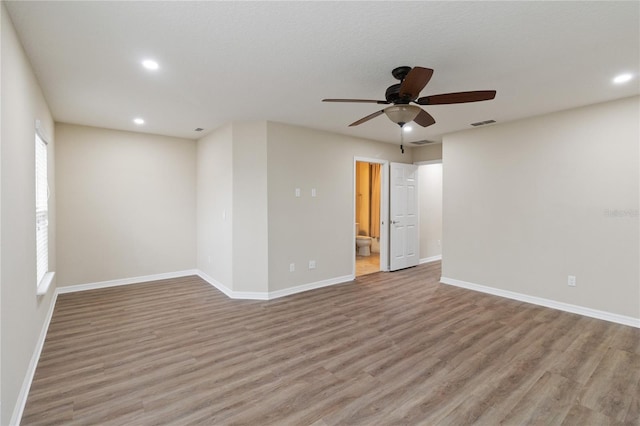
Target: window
[[42, 217]]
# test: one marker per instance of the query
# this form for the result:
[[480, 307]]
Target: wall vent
[[482, 123], [422, 142]]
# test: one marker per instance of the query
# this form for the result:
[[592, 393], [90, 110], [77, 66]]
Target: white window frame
[[44, 276]]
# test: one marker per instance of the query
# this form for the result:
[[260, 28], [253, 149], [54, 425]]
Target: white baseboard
[[311, 286], [223, 288], [567, 307], [18, 409], [270, 295], [125, 281], [230, 293], [430, 259]]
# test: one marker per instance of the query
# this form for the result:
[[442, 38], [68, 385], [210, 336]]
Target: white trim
[[423, 163], [43, 287], [230, 293], [126, 281], [311, 286], [273, 294], [41, 131], [431, 259], [384, 212], [31, 369], [218, 285], [574, 309]]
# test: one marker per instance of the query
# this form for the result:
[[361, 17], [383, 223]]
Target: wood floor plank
[[614, 384], [387, 348], [633, 414], [548, 402], [581, 415]]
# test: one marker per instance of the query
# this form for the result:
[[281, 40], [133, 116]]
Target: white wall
[[320, 228], [22, 312], [250, 221], [214, 205], [430, 177], [530, 202], [126, 204]]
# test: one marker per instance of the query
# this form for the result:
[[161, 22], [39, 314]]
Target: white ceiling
[[235, 61]]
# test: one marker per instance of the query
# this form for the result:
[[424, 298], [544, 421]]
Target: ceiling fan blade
[[424, 119], [367, 101], [415, 81], [457, 98], [367, 118]]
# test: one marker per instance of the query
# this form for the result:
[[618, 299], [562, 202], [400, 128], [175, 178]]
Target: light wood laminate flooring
[[386, 349]]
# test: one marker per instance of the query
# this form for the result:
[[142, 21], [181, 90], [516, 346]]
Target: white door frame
[[384, 212]]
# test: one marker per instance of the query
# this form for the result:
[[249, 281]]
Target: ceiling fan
[[401, 95]]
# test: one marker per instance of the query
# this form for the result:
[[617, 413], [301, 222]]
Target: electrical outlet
[[571, 280], [297, 192], [312, 264], [292, 267], [313, 192]]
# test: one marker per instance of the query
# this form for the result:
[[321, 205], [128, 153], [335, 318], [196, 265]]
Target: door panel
[[405, 225]]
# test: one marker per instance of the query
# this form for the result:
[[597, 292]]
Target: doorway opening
[[369, 216]]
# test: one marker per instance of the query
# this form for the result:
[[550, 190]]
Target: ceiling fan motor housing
[[393, 92], [393, 95], [400, 73]]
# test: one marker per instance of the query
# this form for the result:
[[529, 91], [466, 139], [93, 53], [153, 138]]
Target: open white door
[[404, 217]]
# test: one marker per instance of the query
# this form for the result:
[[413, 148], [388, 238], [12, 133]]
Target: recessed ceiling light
[[150, 64], [138, 121], [623, 78], [407, 128]]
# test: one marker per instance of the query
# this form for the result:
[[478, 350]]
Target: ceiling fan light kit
[[402, 114]]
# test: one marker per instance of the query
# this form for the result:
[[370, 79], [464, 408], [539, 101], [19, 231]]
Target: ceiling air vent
[[482, 123], [422, 142]]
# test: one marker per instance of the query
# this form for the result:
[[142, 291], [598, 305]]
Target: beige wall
[[22, 312], [250, 221], [214, 205], [126, 204], [530, 202], [250, 224], [320, 228], [430, 177], [427, 153]]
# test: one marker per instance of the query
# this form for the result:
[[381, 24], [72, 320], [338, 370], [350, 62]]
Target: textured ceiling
[[235, 61]]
